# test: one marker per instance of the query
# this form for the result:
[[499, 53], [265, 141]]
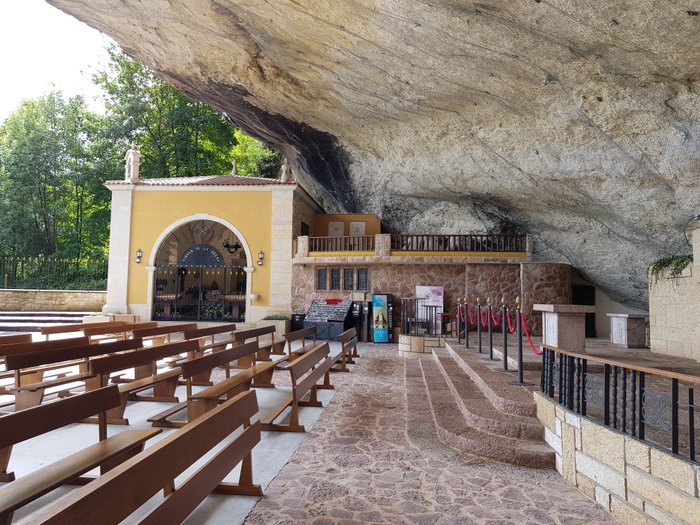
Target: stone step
[[478, 411], [35, 321], [455, 431], [78, 315], [495, 385]]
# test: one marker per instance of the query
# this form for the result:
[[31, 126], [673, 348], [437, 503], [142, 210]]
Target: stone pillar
[[119, 250], [382, 245], [564, 325], [302, 246], [628, 330], [280, 257]]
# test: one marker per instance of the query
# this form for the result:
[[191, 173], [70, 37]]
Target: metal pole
[[466, 324], [519, 336], [490, 312], [478, 322], [504, 330], [459, 322]]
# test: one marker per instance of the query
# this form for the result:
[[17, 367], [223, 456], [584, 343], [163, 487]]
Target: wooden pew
[[28, 394], [264, 350], [25, 424], [120, 492], [35, 374], [48, 331], [162, 334], [296, 336], [163, 383], [305, 372], [348, 344], [207, 341], [97, 333], [205, 400]]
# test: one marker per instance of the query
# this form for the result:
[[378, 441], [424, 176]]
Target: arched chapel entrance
[[200, 274]]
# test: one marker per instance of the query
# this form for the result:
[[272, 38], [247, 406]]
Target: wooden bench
[[120, 492], [348, 350], [26, 424], [265, 349], [124, 331], [37, 374], [163, 383], [305, 372], [205, 400], [163, 334], [207, 341], [296, 336], [48, 331], [28, 393]]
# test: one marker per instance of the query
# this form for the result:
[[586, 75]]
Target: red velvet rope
[[511, 327], [496, 321], [532, 347], [461, 313], [484, 321], [472, 315]]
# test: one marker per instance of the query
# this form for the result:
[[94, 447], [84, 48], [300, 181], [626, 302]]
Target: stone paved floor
[[367, 461]]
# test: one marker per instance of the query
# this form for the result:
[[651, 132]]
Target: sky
[[42, 48]]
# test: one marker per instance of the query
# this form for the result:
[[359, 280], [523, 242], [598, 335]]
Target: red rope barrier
[[532, 347], [484, 322], [511, 327], [472, 315], [496, 321], [461, 314]]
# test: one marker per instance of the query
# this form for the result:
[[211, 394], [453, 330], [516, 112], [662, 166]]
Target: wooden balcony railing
[[458, 243], [342, 244]]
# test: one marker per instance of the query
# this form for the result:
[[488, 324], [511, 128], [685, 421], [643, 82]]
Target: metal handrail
[[364, 243], [458, 243]]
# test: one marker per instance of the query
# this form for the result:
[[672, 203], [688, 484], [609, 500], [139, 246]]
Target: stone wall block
[[660, 515], [601, 474], [545, 411], [663, 495], [603, 444], [637, 454], [568, 441], [602, 497], [585, 485], [628, 514], [678, 473]]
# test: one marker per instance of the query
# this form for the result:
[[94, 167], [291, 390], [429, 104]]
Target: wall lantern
[[261, 256], [139, 255], [254, 297]]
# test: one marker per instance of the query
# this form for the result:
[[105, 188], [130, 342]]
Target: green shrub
[[674, 264], [276, 317]]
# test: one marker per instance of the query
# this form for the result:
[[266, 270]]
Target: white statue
[[285, 171], [131, 167], [233, 168]]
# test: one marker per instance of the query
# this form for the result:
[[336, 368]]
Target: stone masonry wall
[[51, 301], [543, 283], [494, 281], [636, 483]]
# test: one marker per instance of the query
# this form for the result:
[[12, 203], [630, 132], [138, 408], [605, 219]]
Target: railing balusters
[[674, 415], [623, 391], [633, 402], [606, 395], [691, 424], [614, 396], [640, 415]]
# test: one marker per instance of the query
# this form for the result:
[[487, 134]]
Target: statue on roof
[[233, 168], [131, 167], [285, 172]]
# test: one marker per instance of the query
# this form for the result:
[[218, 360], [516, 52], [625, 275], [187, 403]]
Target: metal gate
[[199, 293]]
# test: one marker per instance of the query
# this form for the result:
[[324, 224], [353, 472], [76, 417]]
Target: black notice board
[[322, 312]]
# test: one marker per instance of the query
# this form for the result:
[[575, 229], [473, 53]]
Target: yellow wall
[[154, 211], [320, 225]]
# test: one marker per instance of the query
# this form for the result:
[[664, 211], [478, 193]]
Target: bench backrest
[[210, 331], [30, 422], [13, 339], [306, 362], [347, 335], [143, 333], [242, 335], [57, 355], [106, 365], [40, 346], [118, 493], [116, 330], [304, 333], [75, 327], [207, 362]]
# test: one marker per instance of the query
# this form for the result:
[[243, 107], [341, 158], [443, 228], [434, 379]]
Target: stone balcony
[[389, 248]]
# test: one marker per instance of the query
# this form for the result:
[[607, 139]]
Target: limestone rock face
[[574, 121]]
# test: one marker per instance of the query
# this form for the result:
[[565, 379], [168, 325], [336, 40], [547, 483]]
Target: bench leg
[[4, 463], [198, 407], [327, 385], [263, 355], [166, 389], [6, 519], [115, 416], [264, 380], [27, 399], [292, 426], [313, 399]]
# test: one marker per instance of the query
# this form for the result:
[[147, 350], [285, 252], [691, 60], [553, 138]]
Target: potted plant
[[281, 322]]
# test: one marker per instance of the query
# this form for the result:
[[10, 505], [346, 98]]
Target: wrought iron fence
[[342, 244], [419, 317], [458, 243], [654, 405], [44, 273]]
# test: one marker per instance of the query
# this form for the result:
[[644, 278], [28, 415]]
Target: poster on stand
[[430, 304], [380, 314]]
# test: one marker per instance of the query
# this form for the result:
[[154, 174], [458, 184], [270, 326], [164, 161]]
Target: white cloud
[[44, 49]]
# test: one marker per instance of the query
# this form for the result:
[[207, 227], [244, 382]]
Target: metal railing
[[342, 244], [43, 273], [419, 318], [458, 243], [651, 404]]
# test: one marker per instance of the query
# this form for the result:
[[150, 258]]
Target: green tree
[[253, 158]]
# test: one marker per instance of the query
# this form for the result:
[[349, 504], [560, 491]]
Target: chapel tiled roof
[[224, 180]]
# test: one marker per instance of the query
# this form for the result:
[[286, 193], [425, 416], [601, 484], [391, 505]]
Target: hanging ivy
[[675, 266]]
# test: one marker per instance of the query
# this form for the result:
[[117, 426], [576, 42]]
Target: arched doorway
[[200, 274]]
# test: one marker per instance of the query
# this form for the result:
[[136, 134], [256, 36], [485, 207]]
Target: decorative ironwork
[[656, 409], [458, 243], [556, 372], [593, 390]]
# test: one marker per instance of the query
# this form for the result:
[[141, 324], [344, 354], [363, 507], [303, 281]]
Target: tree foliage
[[55, 156]]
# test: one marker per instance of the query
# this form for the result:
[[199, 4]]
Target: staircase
[[35, 321], [476, 410]]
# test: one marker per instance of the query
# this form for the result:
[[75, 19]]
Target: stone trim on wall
[[636, 483], [52, 300]]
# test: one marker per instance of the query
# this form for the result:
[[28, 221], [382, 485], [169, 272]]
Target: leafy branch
[[674, 264]]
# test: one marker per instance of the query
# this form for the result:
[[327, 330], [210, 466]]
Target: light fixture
[[261, 256], [254, 297], [139, 255]]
